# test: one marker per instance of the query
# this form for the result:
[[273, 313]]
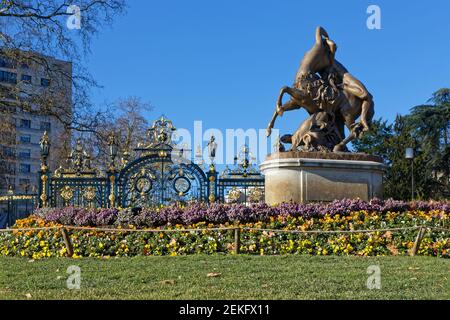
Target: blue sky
[[223, 62]]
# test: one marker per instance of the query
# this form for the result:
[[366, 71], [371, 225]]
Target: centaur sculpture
[[333, 98]]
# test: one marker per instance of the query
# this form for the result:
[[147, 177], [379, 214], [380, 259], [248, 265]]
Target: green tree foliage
[[376, 141], [426, 130]]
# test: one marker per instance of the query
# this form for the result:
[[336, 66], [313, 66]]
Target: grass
[[242, 277]]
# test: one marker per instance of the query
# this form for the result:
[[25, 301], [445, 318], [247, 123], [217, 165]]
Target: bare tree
[[31, 31], [7, 152], [128, 123], [38, 37]]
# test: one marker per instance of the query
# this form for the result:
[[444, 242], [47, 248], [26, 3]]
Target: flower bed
[[221, 213], [339, 215]]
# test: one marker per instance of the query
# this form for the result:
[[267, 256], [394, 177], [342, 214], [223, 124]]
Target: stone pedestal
[[313, 176]]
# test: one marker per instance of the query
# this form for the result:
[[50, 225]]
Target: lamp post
[[10, 206], [409, 154]]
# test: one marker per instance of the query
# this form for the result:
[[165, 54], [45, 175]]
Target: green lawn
[[242, 277]]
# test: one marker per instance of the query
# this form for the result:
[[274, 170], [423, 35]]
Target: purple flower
[[217, 213], [106, 216], [85, 217]]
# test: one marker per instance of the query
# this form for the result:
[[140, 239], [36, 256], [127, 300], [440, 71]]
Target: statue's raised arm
[[321, 32]]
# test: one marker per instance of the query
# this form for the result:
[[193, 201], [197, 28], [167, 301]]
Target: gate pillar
[[212, 183]]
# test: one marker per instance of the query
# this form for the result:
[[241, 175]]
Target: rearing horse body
[[346, 107], [347, 103]]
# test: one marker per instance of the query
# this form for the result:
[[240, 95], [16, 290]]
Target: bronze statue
[[317, 133], [212, 147], [325, 88]]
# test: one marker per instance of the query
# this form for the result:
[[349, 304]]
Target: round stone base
[[315, 176]]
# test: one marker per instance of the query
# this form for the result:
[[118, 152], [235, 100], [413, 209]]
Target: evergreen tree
[[426, 130]]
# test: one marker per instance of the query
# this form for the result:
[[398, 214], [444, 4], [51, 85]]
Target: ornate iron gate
[[242, 184], [15, 206], [157, 180], [161, 174]]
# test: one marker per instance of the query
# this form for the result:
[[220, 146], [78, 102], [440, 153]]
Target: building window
[[8, 77], [6, 63], [8, 152], [25, 78], [25, 123], [11, 169], [24, 168], [25, 138], [7, 108], [46, 126], [25, 154], [45, 82]]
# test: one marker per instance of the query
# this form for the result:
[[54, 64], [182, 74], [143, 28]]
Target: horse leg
[[280, 99], [356, 88], [290, 105], [277, 111], [295, 94], [341, 147], [340, 125], [355, 131], [367, 112], [281, 108], [271, 124]]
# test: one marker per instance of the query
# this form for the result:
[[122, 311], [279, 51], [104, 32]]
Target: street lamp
[[409, 154]]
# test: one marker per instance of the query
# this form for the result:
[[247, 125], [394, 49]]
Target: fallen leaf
[[412, 268], [168, 282], [28, 295], [213, 274]]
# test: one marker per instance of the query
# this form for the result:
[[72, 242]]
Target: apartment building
[[22, 129]]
